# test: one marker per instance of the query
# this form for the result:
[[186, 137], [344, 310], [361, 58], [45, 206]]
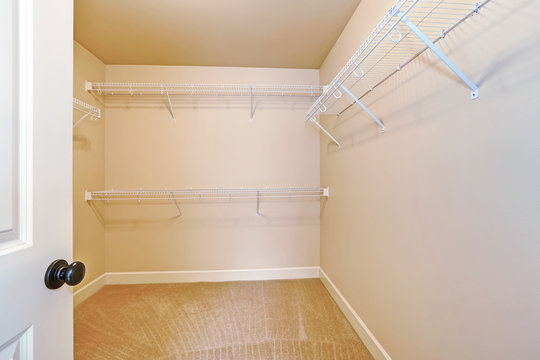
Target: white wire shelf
[[408, 29], [161, 89], [90, 111], [200, 194], [203, 90], [178, 195]]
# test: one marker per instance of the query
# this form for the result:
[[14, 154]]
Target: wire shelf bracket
[[440, 54], [177, 195], [170, 104], [177, 205], [89, 111], [364, 107], [325, 131], [251, 108], [405, 32]]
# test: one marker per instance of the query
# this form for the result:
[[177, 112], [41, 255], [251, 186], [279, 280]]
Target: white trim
[[20, 347], [21, 236], [374, 347], [89, 289], [26, 105], [156, 277], [160, 277]]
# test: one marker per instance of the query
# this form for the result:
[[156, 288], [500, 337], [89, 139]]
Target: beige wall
[[212, 144], [432, 230], [88, 168]]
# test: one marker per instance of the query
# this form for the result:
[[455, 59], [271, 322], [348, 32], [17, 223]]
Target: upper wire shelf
[[208, 90], [408, 29], [112, 88], [89, 110]]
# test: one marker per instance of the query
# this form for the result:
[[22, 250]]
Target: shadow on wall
[[202, 103], [272, 213], [354, 127], [81, 142], [208, 102], [99, 211]]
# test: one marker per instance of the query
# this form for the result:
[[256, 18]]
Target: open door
[[36, 41]]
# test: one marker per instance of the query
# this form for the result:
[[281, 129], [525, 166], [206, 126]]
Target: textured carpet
[[285, 319]]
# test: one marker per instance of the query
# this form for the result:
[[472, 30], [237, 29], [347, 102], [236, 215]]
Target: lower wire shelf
[[178, 195]]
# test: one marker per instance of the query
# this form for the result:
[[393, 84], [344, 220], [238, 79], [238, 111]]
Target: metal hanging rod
[[177, 195], [89, 110], [142, 89], [408, 29]]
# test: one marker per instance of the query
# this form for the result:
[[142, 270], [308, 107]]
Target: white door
[[36, 40]]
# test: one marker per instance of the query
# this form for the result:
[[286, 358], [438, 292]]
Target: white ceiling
[[251, 33]]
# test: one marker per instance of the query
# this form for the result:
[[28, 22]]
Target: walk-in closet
[[270, 180]]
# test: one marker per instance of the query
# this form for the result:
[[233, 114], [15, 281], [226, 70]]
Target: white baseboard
[[156, 277], [374, 347], [160, 277], [89, 289]]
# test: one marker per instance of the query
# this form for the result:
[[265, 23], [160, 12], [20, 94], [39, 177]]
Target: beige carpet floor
[[285, 319]]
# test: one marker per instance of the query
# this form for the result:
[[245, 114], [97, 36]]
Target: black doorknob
[[59, 272]]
